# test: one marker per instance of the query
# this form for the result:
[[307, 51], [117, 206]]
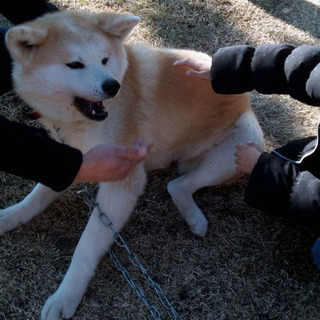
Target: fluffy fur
[[65, 65]]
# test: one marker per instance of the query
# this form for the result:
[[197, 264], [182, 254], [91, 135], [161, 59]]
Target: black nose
[[111, 87]]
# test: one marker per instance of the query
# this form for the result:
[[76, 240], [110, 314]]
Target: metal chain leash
[[92, 203]]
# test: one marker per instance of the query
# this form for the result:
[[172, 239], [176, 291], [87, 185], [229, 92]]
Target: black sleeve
[[231, 70], [30, 153], [269, 69], [279, 187], [19, 11], [5, 63], [270, 184], [302, 74], [305, 198]]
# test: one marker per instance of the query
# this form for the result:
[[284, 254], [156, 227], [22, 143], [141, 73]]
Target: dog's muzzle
[[95, 110]]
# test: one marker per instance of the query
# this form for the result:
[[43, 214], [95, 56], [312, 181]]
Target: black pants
[[17, 11]]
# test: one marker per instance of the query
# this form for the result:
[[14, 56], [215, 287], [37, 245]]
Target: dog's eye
[[104, 61], [75, 65]]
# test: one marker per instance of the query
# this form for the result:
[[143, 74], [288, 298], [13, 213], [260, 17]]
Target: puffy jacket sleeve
[[270, 184], [269, 69], [305, 197], [30, 153], [278, 186]]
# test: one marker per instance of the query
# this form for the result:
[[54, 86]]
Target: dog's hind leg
[[216, 168], [38, 200]]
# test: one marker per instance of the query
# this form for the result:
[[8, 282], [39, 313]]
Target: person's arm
[[30, 153], [19, 11], [269, 69], [278, 186], [305, 197], [239, 69]]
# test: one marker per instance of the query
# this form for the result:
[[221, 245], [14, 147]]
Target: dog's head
[[67, 63]]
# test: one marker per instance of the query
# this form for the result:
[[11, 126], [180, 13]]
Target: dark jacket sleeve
[[279, 187], [269, 69], [305, 197], [19, 11], [30, 153]]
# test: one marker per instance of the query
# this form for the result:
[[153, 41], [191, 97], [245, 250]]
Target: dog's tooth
[[93, 111]]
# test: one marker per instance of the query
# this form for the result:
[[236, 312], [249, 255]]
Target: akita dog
[[71, 67]]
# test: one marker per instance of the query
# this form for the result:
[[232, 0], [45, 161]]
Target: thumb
[[134, 153]]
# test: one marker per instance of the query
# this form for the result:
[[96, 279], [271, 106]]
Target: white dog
[[72, 66]]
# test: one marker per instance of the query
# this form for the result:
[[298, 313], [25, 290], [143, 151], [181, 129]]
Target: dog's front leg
[[38, 200], [117, 200]]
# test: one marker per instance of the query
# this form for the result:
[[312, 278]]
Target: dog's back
[[173, 110]]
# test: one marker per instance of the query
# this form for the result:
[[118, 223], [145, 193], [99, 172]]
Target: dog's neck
[[76, 134]]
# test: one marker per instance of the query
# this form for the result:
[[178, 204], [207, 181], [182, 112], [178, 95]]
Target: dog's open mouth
[[92, 110]]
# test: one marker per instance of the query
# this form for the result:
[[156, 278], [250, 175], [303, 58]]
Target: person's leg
[[19, 11]]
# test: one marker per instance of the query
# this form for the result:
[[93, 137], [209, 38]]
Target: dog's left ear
[[121, 25], [22, 41]]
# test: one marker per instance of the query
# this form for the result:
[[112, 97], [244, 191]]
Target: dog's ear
[[121, 25], [22, 41]]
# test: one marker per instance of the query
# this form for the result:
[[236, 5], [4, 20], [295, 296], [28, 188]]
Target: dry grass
[[249, 266]]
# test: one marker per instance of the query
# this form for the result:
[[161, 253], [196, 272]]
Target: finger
[[147, 145], [239, 146], [193, 73], [134, 153], [187, 63], [138, 142], [181, 62]]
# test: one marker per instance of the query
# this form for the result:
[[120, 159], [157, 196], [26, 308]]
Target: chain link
[[92, 203]]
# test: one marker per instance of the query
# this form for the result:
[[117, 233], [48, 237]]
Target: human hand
[[111, 162], [246, 157], [199, 68]]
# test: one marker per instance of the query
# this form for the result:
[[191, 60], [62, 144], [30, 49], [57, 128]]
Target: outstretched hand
[[199, 68], [111, 162]]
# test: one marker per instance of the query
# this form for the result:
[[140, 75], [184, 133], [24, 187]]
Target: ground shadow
[[298, 13]]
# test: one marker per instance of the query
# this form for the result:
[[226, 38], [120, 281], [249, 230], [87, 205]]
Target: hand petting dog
[[111, 162]]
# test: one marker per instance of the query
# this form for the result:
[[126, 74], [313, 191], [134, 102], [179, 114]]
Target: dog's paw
[[59, 306], [199, 227], [8, 220]]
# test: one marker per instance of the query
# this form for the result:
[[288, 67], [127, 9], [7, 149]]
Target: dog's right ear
[[22, 41], [119, 25]]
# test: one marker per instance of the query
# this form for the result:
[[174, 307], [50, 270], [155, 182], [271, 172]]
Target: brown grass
[[249, 266]]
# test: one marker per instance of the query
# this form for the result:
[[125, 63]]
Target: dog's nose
[[111, 87]]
